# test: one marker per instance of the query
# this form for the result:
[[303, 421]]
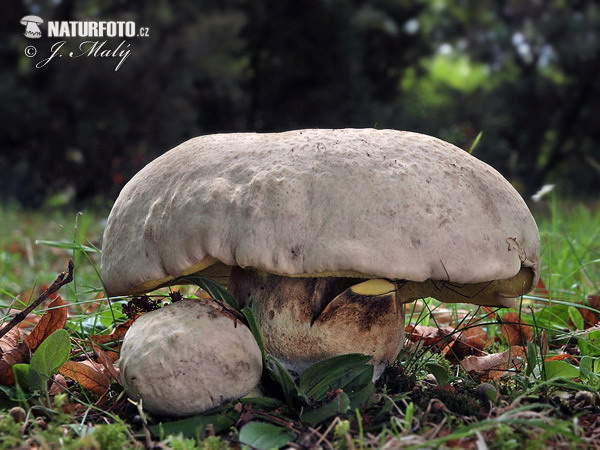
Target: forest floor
[[468, 377]]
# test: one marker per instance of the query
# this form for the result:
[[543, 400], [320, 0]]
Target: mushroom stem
[[306, 320]]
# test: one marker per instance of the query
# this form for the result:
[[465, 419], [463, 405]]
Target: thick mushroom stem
[[306, 320]]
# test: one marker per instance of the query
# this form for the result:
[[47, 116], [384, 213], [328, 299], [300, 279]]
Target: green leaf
[[108, 317], [9, 391], [586, 366], [254, 328], [334, 373], [52, 353], [576, 318], [439, 372], [560, 369], [265, 403], [193, 427], [21, 374], [264, 436], [354, 382], [285, 381], [363, 398], [475, 142], [212, 288], [68, 245], [590, 343], [532, 358], [339, 405]]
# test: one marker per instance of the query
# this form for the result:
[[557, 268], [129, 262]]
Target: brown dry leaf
[[29, 322], [53, 319], [113, 356], [10, 340], [107, 363], [12, 352], [541, 290], [515, 331], [476, 336], [593, 301], [471, 340], [116, 335], [452, 342], [429, 335], [88, 377], [59, 384], [494, 366], [562, 357]]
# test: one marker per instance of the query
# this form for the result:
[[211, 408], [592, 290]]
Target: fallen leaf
[[541, 290], [496, 365], [107, 363], [515, 331], [53, 319], [29, 322], [562, 357], [89, 378], [593, 301], [10, 340], [472, 340], [429, 335], [12, 352], [117, 335], [59, 384], [453, 342]]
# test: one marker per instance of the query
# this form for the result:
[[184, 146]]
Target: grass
[[544, 404]]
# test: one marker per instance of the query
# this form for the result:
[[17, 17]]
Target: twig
[[62, 279], [147, 434]]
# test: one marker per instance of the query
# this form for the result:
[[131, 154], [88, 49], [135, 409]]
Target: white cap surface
[[381, 203], [188, 357]]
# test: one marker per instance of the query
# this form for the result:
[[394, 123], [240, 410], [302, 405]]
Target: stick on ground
[[62, 279]]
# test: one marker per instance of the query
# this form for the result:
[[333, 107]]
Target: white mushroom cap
[[350, 202], [188, 357], [34, 19]]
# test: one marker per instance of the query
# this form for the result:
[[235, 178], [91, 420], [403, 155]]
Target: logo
[[108, 40], [32, 26]]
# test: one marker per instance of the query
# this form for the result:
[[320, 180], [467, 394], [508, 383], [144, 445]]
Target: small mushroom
[[32, 29], [326, 232], [188, 357]]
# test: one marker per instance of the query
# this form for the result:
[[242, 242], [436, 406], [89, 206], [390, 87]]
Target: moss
[[111, 437]]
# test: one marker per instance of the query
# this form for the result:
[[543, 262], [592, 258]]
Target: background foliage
[[523, 71]]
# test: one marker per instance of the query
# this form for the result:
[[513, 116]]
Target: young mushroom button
[[326, 232], [188, 357]]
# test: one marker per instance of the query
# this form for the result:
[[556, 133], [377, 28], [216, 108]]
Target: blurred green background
[[525, 72]]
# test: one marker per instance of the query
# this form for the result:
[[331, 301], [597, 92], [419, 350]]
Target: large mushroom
[[326, 232]]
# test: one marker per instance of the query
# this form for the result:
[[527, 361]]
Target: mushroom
[[32, 29], [188, 357], [326, 232]]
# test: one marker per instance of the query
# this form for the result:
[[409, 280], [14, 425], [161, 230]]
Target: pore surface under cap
[[385, 203]]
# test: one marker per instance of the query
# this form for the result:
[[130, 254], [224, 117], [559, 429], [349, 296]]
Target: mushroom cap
[[349, 202], [188, 357], [34, 19]]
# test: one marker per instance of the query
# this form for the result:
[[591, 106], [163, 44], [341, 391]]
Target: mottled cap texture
[[188, 357], [379, 203]]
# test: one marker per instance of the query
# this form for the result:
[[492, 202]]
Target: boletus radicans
[[326, 232], [188, 357]]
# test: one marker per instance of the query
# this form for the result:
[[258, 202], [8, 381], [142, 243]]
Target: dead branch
[[62, 279]]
